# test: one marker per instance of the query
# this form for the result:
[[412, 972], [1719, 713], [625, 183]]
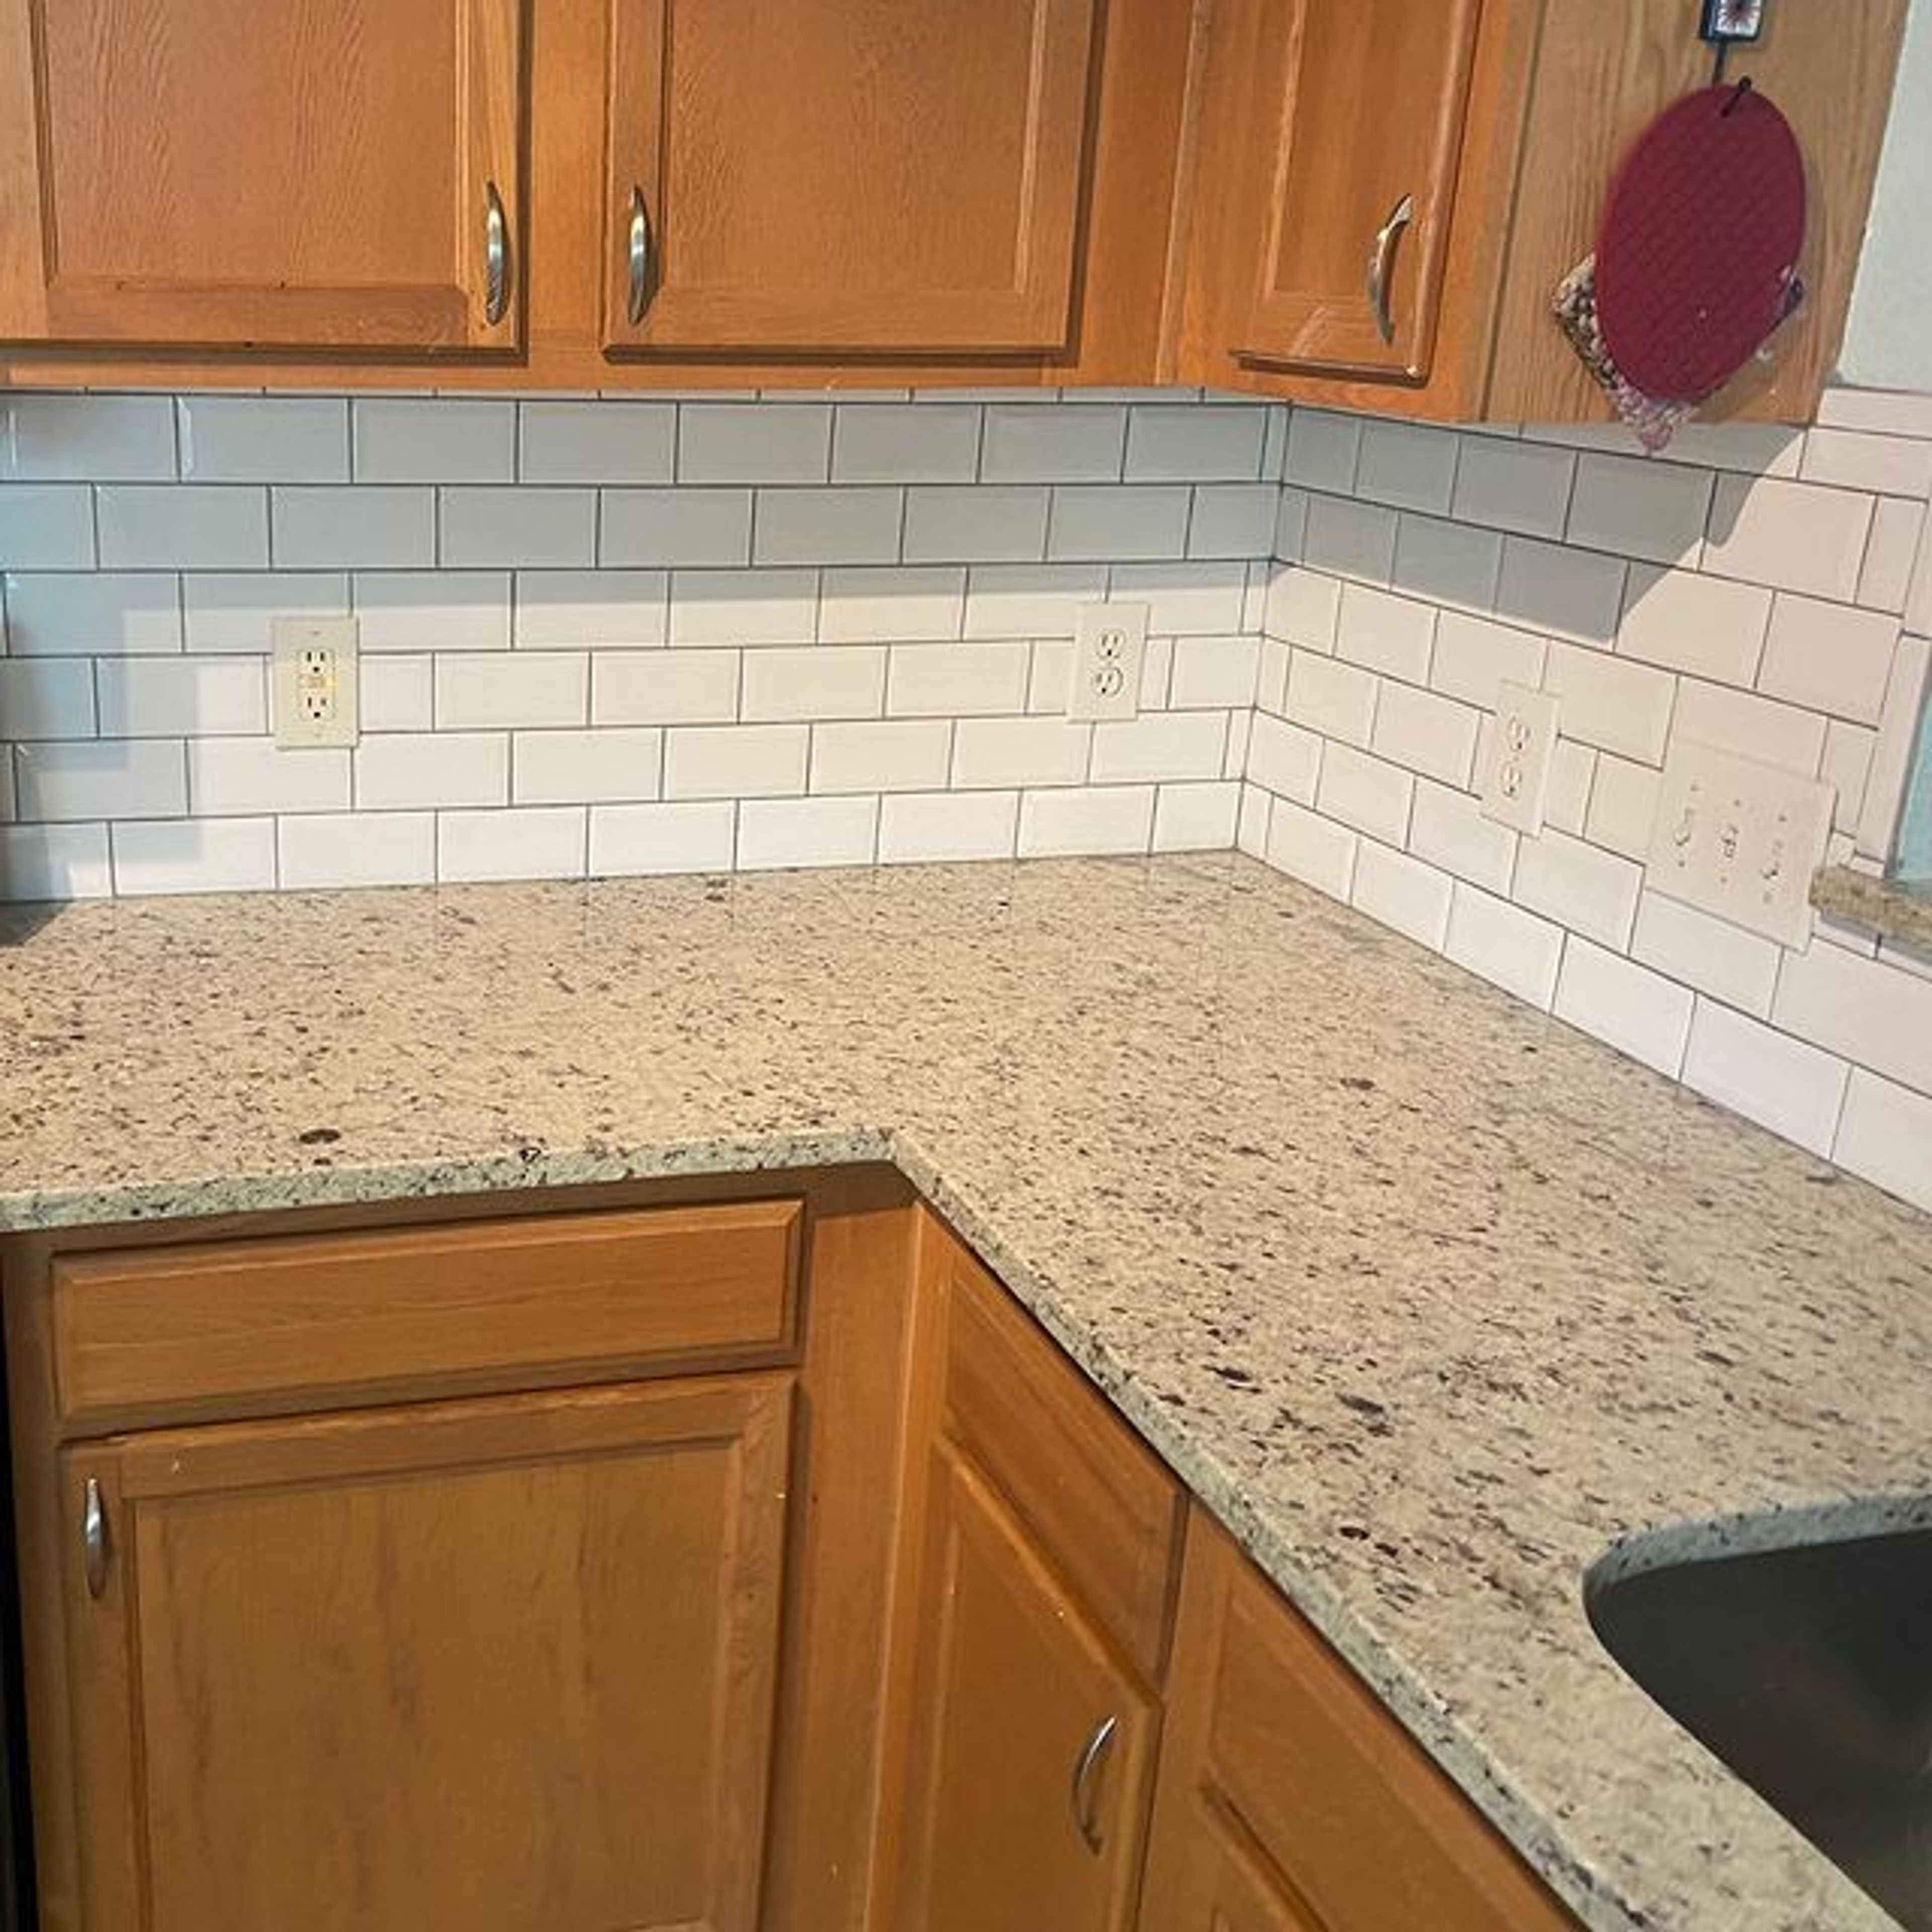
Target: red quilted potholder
[[1699, 254]]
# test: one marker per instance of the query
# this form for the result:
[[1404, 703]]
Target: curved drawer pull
[[94, 1537], [640, 251], [1086, 1776], [1381, 259], [496, 255]]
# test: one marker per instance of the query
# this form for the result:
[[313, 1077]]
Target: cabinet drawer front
[[1091, 1491], [230, 1327], [1367, 1828]]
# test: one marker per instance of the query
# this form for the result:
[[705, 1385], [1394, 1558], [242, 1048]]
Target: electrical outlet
[[314, 673], [1515, 772], [1740, 839], [1109, 649]]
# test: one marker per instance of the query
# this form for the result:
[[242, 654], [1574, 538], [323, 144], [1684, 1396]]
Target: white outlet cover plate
[[1109, 653], [290, 638], [1515, 768], [1740, 839]]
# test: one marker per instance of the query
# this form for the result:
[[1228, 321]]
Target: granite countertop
[[1430, 1299]]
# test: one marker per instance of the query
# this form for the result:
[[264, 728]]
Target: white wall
[[1888, 338]]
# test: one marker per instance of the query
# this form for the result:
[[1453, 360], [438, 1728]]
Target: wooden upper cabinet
[[1373, 96], [864, 177], [320, 174], [495, 1664]]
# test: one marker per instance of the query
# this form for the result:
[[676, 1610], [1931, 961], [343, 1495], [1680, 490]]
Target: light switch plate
[[1516, 771], [1740, 839]]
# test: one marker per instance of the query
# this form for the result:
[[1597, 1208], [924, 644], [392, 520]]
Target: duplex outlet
[[314, 672], [1516, 770], [1740, 839], [1109, 650]]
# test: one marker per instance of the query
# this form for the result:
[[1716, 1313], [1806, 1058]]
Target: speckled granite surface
[[1430, 1299], [1884, 906]]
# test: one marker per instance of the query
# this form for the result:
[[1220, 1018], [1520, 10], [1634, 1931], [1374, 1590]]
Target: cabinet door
[[1219, 1883], [845, 176], [1033, 1754], [1373, 101], [494, 1664], [218, 173]]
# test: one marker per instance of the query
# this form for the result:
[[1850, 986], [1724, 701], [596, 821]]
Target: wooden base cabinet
[[498, 1664]]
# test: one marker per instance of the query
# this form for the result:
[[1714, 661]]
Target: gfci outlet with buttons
[[1109, 649], [314, 673], [1740, 839], [1515, 772]]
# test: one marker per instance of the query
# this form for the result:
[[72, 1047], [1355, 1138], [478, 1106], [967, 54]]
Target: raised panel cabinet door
[[846, 175], [317, 174], [1214, 1881], [1032, 1755], [1373, 97], [496, 1664]]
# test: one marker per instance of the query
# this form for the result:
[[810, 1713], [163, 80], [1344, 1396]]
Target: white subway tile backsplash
[[927, 442], [182, 697], [841, 525], [1892, 466], [674, 528], [1584, 889], [892, 755], [50, 437], [1685, 943], [1407, 465], [1576, 594], [1765, 1075], [1323, 450], [65, 614], [1897, 529], [1184, 599], [1350, 539], [443, 440], [1474, 656], [182, 526], [1403, 892], [664, 687], [1638, 1012], [263, 439], [891, 604], [371, 527], [628, 839], [1327, 696], [1447, 828], [47, 526], [991, 753], [1507, 485], [1195, 818], [242, 777], [376, 848], [55, 862], [743, 606], [1884, 1133], [1448, 563], [1681, 621], [1206, 443], [1640, 507], [754, 442], [1366, 792], [1076, 443], [1829, 658], [1170, 745], [820, 681], [1610, 703], [416, 771], [788, 834], [609, 441], [1030, 600], [1423, 733], [1311, 848], [219, 610], [579, 767], [1285, 758], [563, 610], [102, 778], [1501, 943], [480, 691], [432, 610], [1209, 672], [1861, 1010], [47, 698], [1304, 607], [1393, 635], [1101, 818], [968, 523], [1622, 803], [957, 680], [1118, 522], [484, 528], [1789, 536], [212, 855], [1233, 519], [735, 761], [915, 826], [528, 842], [1752, 727]]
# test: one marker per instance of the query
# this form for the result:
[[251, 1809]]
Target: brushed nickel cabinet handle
[[640, 257], [1382, 258], [1085, 1775], [94, 1537], [496, 255]]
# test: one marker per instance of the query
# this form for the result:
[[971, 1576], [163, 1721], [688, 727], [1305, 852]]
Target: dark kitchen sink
[[1809, 1672]]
